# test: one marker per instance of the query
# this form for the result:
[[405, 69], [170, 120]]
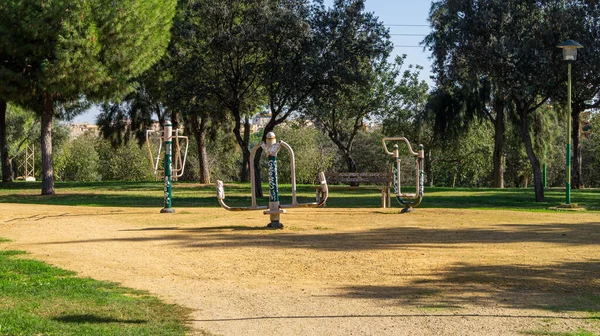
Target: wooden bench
[[379, 181]]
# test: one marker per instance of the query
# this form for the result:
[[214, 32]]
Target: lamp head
[[569, 48]]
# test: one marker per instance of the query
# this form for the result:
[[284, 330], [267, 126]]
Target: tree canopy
[[59, 52]]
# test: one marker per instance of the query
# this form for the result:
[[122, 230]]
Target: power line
[[408, 34], [405, 25]]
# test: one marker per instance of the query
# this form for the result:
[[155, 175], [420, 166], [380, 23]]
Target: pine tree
[[56, 53]]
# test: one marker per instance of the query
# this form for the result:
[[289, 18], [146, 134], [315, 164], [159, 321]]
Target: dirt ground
[[334, 271]]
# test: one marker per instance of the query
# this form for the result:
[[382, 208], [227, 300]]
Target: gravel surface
[[334, 271]]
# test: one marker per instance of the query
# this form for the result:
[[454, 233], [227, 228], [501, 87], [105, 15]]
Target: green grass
[[38, 299], [580, 332], [150, 194]]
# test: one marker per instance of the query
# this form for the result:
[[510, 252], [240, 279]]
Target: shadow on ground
[[565, 286], [383, 238], [89, 318], [568, 286]]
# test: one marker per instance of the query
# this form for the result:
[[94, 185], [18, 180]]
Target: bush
[[126, 163], [313, 153], [81, 159]]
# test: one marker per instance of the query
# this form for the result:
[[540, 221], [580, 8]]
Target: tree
[[591, 152], [65, 50], [128, 162], [188, 89], [312, 151], [354, 47], [20, 129], [126, 118], [288, 75], [228, 56], [462, 70], [511, 43], [7, 173], [581, 22]]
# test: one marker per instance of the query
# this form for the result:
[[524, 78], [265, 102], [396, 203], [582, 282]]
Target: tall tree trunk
[[7, 172], [199, 129], [350, 163], [454, 178], [243, 143], [346, 152], [258, 192], [47, 165], [202, 154], [576, 158], [538, 184], [428, 170], [175, 119], [246, 165], [499, 136]]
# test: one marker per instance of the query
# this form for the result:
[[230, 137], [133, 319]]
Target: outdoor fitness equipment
[[407, 200], [166, 137], [274, 209]]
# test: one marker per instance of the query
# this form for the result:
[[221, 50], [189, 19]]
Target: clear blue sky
[[408, 25], [407, 21]]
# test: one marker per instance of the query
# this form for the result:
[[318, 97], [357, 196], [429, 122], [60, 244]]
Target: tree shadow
[[568, 286], [206, 229], [579, 234], [90, 318]]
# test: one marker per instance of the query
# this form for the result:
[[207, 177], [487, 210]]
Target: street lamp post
[[569, 48]]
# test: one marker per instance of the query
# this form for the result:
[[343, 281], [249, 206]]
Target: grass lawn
[[149, 194], [38, 299]]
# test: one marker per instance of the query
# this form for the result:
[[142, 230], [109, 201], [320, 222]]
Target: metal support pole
[[396, 170], [568, 166], [274, 206], [397, 181], [168, 139]]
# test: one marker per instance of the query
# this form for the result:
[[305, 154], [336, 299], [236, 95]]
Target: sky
[[408, 25]]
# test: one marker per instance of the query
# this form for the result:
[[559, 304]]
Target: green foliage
[[39, 299], [313, 152], [354, 47], [369, 153], [223, 158], [68, 48], [467, 160], [56, 52], [22, 128], [125, 163], [591, 153], [406, 111], [82, 160], [218, 42], [484, 52]]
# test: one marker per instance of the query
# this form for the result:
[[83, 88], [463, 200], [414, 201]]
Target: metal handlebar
[[272, 147], [179, 161], [397, 139], [408, 200]]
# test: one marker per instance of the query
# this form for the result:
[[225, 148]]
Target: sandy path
[[332, 271]]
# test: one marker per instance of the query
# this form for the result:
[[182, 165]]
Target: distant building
[[78, 129], [259, 121]]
